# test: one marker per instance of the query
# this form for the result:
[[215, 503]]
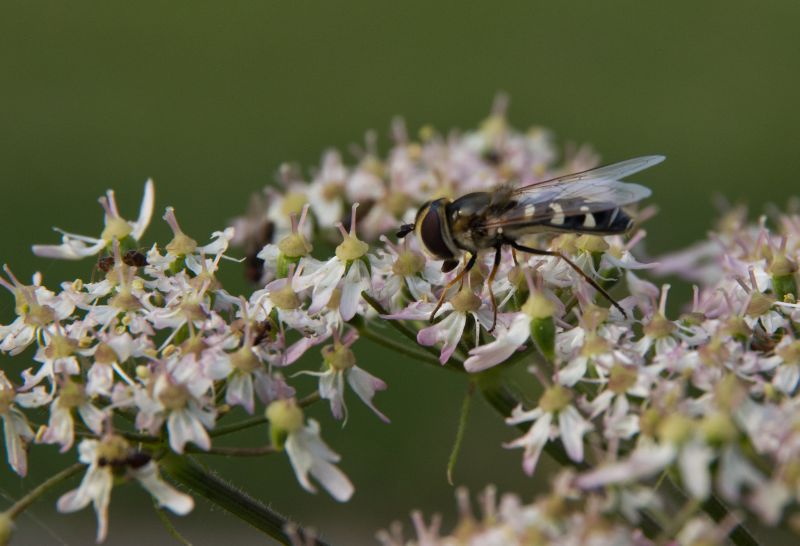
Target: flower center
[[538, 306], [174, 397], [295, 245], [554, 399], [285, 298], [408, 263], [116, 228], [245, 360], [338, 356], [465, 301], [352, 248]]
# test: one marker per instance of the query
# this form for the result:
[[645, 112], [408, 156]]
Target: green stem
[[18, 507], [405, 331], [191, 475], [399, 347], [235, 451], [462, 426]]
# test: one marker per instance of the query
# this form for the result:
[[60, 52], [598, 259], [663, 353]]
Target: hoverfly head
[[433, 230]]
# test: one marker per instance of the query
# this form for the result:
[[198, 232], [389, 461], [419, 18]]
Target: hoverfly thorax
[[432, 228]]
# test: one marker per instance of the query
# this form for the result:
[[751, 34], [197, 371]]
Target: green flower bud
[[285, 417]]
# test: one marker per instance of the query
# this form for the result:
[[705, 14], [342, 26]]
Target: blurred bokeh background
[[209, 98]]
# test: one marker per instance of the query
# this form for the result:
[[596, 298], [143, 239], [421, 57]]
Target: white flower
[[341, 364], [61, 426], [349, 265], [36, 308], [75, 247], [16, 430], [571, 427], [104, 458], [179, 396], [307, 452]]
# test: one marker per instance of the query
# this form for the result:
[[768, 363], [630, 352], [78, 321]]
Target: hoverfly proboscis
[[587, 202]]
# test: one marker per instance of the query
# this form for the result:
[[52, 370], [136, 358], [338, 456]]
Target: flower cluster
[[154, 359]]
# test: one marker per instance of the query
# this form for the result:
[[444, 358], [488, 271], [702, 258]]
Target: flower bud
[[285, 417], [543, 327]]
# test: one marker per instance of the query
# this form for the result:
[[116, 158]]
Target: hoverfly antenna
[[405, 229]]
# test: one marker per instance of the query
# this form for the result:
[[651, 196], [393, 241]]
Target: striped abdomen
[[599, 221]]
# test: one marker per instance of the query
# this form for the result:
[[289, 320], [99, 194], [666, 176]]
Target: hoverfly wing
[[615, 171], [589, 201]]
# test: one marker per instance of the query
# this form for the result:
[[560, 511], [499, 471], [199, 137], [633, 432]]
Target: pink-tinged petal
[[448, 331], [769, 500], [693, 461], [533, 442], [356, 280], [331, 388], [70, 249], [500, 349], [325, 281], [93, 417], [572, 427], [786, 378], [519, 415], [240, 392], [95, 488], [15, 448], [59, 428], [573, 371], [309, 454], [365, 386], [418, 310], [645, 461], [166, 495], [184, 427], [145, 210], [736, 474]]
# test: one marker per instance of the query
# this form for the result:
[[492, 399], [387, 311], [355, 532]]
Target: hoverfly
[[586, 202]]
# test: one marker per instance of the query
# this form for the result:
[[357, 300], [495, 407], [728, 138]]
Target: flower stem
[[191, 475], [18, 507], [398, 347], [236, 451], [404, 330], [462, 426]]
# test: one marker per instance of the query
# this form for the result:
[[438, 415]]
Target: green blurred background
[[209, 98]]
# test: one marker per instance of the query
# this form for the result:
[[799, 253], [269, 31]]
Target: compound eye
[[430, 233]]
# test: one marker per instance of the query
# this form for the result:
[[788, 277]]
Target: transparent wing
[[590, 191], [615, 171]]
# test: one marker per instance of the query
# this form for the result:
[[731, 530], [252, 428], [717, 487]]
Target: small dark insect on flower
[[105, 263], [585, 202], [134, 258]]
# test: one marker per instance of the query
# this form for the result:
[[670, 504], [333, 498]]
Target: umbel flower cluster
[[672, 424]]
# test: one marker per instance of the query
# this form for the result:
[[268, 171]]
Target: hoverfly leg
[[489, 281], [451, 284], [574, 266]]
